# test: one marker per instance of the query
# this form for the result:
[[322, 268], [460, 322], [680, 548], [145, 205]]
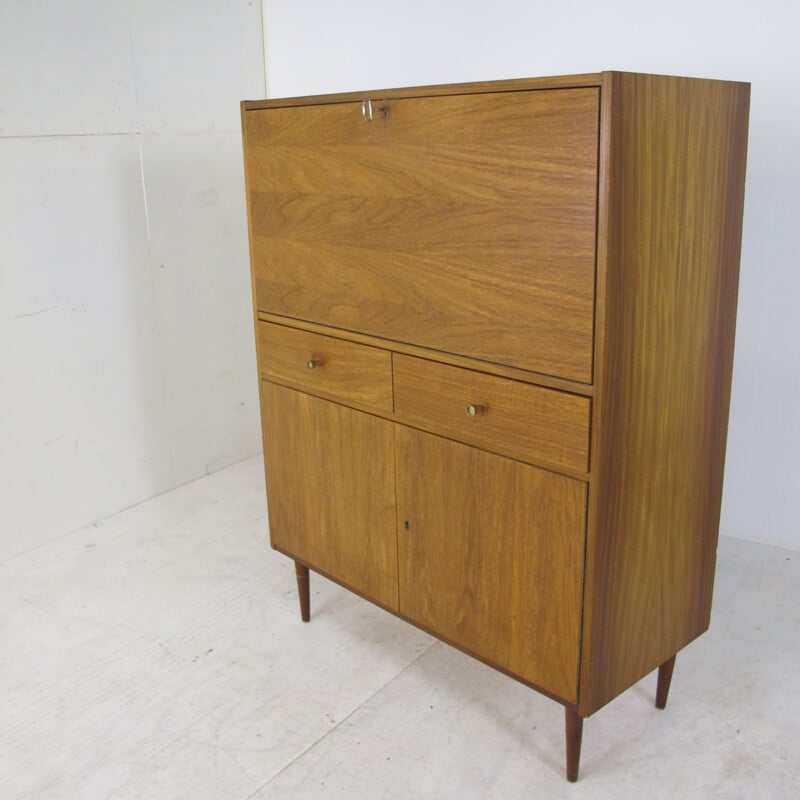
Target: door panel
[[461, 223], [492, 558], [330, 490]]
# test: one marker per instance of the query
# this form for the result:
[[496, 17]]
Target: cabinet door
[[330, 490], [466, 222], [490, 556]]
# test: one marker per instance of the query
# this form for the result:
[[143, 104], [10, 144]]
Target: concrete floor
[[160, 654]]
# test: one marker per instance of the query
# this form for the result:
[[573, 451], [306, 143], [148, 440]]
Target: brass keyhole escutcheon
[[368, 110]]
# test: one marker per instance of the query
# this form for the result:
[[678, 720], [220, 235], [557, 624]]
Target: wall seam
[[267, 92]]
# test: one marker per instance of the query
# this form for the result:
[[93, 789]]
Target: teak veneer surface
[[492, 558], [515, 419], [345, 371], [489, 367], [461, 223], [331, 489], [673, 206], [560, 253]]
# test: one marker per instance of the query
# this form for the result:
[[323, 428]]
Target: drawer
[[529, 423], [325, 366]]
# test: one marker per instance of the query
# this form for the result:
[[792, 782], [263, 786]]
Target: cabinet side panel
[[676, 156]]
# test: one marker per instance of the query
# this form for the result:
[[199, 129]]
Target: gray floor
[[160, 655]]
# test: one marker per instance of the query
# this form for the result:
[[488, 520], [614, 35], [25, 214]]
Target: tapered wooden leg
[[303, 590], [664, 680], [573, 724]]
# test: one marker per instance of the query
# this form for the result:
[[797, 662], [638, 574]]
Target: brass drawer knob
[[312, 363], [474, 410]]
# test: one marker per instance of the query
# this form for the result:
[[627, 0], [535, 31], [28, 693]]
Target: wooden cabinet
[[495, 333]]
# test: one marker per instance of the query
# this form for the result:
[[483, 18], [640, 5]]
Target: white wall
[[126, 346], [319, 46]]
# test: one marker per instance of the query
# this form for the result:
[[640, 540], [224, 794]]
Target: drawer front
[[525, 422], [464, 223], [325, 366]]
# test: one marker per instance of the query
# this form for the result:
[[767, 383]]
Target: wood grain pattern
[[527, 422], [676, 155], [492, 558], [348, 372], [461, 223], [331, 489], [501, 370], [581, 233]]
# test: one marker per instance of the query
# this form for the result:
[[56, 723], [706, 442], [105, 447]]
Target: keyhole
[[406, 524]]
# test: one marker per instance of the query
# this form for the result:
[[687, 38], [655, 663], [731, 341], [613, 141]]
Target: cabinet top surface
[[514, 84]]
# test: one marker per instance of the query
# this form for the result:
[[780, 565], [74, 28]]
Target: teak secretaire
[[495, 329]]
